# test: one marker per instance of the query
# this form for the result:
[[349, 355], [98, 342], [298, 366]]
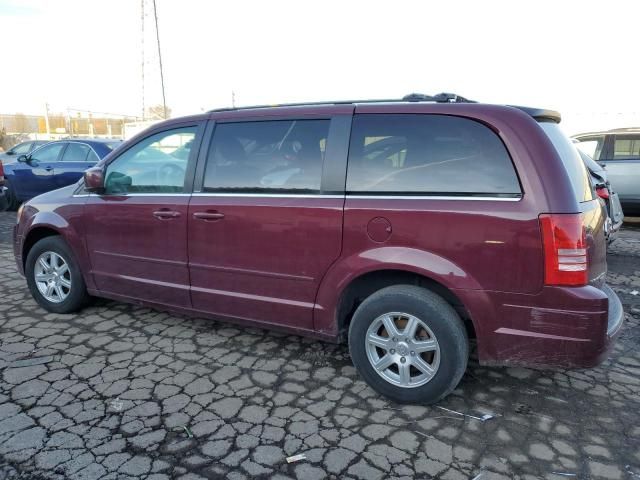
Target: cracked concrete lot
[[122, 392]]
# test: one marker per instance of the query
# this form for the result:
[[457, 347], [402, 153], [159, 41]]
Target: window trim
[[325, 177]]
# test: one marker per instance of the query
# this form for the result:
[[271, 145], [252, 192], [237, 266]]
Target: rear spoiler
[[541, 114]]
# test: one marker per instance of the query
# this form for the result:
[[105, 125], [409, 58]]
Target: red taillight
[[565, 249], [603, 192]]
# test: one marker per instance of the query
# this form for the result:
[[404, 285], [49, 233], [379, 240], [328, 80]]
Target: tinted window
[[572, 162], [150, 166], [76, 152], [48, 153], [281, 156], [592, 146], [427, 154], [626, 147]]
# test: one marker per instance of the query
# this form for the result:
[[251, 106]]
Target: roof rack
[[412, 97]]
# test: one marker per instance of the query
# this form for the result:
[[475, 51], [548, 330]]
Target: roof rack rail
[[412, 97], [439, 98]]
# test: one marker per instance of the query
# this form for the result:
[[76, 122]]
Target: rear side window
[[626, 148], [428, 154], [572, 162], [280, 156], [76, 152]]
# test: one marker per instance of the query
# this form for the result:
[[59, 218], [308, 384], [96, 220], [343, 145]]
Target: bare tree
[[156, 112]]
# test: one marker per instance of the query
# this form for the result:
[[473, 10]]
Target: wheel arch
[[47, 223], [34, 236], [366, 284]]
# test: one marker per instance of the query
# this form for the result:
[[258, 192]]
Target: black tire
[[438, 316], [77, 296], [12, 202]]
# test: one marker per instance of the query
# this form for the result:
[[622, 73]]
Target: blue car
[[51, 166]]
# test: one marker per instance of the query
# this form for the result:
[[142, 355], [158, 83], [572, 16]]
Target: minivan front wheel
[[409, 344], [54, 278]]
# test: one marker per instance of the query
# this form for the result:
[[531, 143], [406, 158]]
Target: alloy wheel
[[402, 349], [52, 277]]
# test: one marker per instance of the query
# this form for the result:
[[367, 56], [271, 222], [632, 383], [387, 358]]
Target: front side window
[[592, 146], [279, 156], [626, 148], [76, 152], [48, 153], [157, 164], [427, 154]]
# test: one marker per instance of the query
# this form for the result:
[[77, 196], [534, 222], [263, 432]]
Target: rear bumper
[[561, 326]]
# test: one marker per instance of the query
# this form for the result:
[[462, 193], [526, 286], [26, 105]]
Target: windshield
[[572, 162]]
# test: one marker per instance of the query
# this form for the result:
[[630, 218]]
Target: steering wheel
[[169, 173]]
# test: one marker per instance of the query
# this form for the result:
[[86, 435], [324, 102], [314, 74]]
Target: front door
[[622, 164], [37, 176], [136, 231], [261, 233]]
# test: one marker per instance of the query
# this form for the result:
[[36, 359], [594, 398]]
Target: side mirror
[[23, 159], [94, 180]]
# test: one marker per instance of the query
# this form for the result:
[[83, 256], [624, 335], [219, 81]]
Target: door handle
[[48, 169], [208, 216], [165, 214]]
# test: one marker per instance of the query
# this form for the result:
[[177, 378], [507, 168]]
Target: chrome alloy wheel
[[402, 349], [53, 277]]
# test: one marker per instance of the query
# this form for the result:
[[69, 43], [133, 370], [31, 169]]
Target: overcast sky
[[579, 57]]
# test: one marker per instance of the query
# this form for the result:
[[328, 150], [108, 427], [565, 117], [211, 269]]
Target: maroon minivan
[[404, 227]]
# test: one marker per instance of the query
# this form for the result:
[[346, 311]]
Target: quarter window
[[278, 156], [156, 164], [626, 148], [427, 154]]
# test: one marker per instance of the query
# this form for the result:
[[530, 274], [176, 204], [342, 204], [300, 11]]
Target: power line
[[164, 101]]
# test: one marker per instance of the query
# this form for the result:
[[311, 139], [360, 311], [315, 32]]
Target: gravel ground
[[120, 392]]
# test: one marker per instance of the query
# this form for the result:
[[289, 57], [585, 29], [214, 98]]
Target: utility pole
[[142, 46], [46, 119], [233, 99], [164, 100]]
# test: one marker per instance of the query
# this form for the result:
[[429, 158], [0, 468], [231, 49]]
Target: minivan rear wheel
[[409, 344], [54, 277]]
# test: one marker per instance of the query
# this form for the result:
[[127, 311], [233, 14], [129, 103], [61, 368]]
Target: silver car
[[618, 152]]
